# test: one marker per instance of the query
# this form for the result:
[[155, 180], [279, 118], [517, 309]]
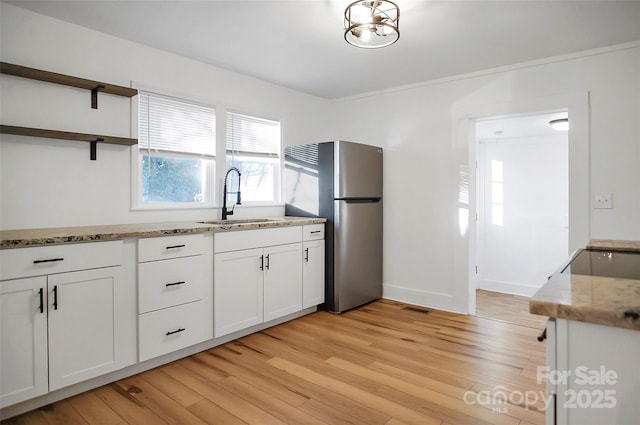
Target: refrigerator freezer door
[[358, 171], [358, 253]]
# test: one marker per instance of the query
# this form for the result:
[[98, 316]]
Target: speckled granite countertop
[[59, 235], [612, 245], [589, 298]]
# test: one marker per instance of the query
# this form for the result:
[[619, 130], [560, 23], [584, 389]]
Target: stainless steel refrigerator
[[342, 182]]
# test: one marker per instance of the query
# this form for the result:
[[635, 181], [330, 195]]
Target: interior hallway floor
[[508, 308]]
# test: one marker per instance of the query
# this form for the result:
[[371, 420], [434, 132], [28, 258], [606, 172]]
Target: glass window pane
[[167, 179], [256, 183]]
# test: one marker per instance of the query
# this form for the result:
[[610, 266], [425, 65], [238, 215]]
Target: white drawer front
[[256, 238], [171, 329], [161, 248], [312, 232], [167, 283], [43, 260]]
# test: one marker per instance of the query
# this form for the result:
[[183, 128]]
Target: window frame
[[137, 154], [277, 161]]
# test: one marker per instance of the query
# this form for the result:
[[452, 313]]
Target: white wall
[[426, 257], [47, 183], [523, 211]]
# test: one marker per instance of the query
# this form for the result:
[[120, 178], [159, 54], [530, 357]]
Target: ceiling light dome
[[561, 124], [371, 24]]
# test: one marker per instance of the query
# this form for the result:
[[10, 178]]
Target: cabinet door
[[23, 339], [282, 280], [237, 290], [312, 273], [84, 325]]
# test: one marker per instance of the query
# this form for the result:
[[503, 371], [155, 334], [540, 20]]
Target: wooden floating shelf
[[67, 80], [94, 139], [66, 135]]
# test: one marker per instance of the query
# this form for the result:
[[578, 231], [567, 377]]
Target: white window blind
[[168, 124], [253, 136]]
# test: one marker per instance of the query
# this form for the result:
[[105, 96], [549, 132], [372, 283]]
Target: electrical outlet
[[603, 201]]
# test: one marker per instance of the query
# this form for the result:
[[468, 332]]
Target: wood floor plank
[[220, 396], [172, 387], [363, 397], [126, 406], [281, 410], [454, 403], [161, 404], [386, 363], [321, 402], [213, 414], [94, 410], [62, 413]]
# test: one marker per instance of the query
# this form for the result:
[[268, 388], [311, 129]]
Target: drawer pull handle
[[50, 260], [41, 295], [268, 262], [543, 335], [262, 262], [175, 246], [176, 331], [315, 231], [306, 255], [55, 297], [175, 283]]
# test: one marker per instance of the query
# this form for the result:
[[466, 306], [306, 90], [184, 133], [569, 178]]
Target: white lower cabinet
[[282, 280], [257, 277], [312, 273], [84, 325], [253, 286], [593, 372], [238, 290], [175, 284], [171, 329], [61, 329], [23, 344]]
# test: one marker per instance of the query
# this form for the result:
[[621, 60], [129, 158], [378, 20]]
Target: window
[[253, 146], [177, 145]]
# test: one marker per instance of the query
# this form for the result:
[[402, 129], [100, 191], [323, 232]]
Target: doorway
[[523, 203]]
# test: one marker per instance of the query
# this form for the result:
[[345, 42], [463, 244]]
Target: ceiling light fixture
[[371, 24], [561, 124]]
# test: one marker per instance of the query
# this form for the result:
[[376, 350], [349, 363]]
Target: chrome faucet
[[226, 213]]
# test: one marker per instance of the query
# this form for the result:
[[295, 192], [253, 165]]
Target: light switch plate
[[603, 200]]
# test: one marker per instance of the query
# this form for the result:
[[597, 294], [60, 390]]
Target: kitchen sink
[[238, 221]]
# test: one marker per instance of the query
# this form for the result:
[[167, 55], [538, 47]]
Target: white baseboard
[[435, 300], [508, 287]]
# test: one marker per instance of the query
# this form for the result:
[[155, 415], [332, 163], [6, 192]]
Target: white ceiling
[[518, 126], [299, 43]]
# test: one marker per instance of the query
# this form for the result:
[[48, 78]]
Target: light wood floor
[[384, 363], [508, 308]]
